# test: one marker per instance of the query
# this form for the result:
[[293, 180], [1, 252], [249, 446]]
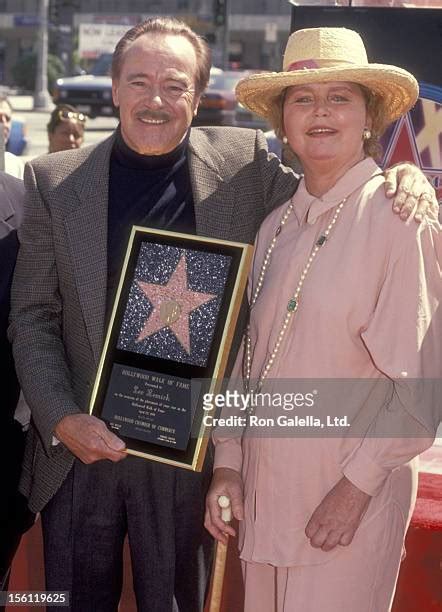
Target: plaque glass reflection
[[168, 341]]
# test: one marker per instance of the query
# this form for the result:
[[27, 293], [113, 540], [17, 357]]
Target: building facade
[[258, 29]]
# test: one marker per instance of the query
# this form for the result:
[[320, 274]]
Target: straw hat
[[318, 55]]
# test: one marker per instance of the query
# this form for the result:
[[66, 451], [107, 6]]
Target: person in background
[[13, 165], [349, 298], [65, 128], [156, 171], [14, 515]]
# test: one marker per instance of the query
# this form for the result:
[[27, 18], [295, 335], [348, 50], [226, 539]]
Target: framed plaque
[[168, 341]]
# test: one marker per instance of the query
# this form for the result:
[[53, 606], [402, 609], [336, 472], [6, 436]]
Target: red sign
[[417, 138]]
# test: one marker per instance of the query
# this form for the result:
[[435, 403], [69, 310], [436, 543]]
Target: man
[[13, 164], [14, 516], [80, 206]]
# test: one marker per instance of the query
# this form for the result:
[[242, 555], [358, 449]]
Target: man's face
[[6, 119], [155, 92]]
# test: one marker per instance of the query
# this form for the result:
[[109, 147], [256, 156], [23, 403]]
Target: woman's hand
[[337, 517], [224, 482], [413, 194]]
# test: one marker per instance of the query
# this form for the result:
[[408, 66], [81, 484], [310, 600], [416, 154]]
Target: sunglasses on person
[[66, 115]]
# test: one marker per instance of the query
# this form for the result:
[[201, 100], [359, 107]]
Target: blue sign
[[26, 21]]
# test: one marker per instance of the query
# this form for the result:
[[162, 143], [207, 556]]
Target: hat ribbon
[[309, 64]]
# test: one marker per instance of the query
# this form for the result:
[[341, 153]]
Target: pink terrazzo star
[[173, 299]]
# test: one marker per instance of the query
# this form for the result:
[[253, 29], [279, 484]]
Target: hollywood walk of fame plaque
[[168, 341]]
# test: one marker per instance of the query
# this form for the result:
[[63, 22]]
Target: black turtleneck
[[149, 190]]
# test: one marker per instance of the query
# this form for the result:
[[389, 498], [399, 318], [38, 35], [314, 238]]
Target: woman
[[338, 290], [65, 128]]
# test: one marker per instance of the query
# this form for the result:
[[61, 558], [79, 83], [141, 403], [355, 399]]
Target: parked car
[[218, 105], [90, 93], [246, 118], [18, 140]]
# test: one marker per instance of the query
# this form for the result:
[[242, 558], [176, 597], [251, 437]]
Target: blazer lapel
[[86, 227], [7, 213], [11, 210], [213, 199]]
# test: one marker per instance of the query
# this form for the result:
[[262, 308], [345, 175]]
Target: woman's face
[[324, 122], [68, 134]]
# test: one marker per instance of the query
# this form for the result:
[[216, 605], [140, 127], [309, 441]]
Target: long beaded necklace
[[292, 304]]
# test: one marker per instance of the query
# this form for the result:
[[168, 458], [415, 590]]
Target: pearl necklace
[[292, 304]]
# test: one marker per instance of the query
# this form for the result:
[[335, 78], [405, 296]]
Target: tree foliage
[[25, 69]]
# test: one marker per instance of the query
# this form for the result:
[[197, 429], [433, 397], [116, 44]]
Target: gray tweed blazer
[[12, 192], [59, 288]]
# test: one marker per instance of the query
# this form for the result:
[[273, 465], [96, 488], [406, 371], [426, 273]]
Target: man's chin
[[156, 150]]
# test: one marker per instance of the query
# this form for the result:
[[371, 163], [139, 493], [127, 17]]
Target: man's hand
[[89, 439], [224, 482], [413, 194], [337, 517]]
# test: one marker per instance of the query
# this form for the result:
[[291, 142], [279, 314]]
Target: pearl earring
[[366, 134], [284, 139]]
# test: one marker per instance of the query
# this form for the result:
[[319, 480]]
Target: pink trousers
[[362, 578]]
